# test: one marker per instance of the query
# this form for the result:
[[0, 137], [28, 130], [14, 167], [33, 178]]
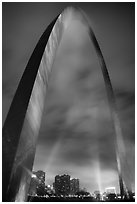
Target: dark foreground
[[82, 199]]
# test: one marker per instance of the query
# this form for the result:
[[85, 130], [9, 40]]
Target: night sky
[[76, 135]]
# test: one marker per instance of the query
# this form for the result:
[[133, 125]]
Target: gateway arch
[[21, 127]]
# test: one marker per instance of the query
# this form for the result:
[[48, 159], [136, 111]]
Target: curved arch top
[[23, 121]]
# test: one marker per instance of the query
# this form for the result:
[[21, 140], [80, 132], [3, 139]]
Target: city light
[[34, 176]]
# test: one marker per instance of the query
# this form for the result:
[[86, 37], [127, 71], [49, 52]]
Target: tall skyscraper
[[33, 184], [62, 185], [40, 176], [74, 186], [37, 184]]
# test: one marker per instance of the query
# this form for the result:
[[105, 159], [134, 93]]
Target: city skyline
[[76, 134], [71, 178], [65, 188]]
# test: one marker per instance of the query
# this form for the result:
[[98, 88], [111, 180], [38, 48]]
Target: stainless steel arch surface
[[22, 124]]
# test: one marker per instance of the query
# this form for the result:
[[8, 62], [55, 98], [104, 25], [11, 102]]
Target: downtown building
[[62, 185], [74, 186], [37, 184]]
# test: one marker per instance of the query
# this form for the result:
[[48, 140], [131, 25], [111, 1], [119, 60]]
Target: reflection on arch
[[23, 121]]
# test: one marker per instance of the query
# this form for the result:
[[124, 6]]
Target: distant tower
[[41, 183], [62, 185], [40, 176], [74, 186], [37, 184], [33, 185], [110, 190]]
